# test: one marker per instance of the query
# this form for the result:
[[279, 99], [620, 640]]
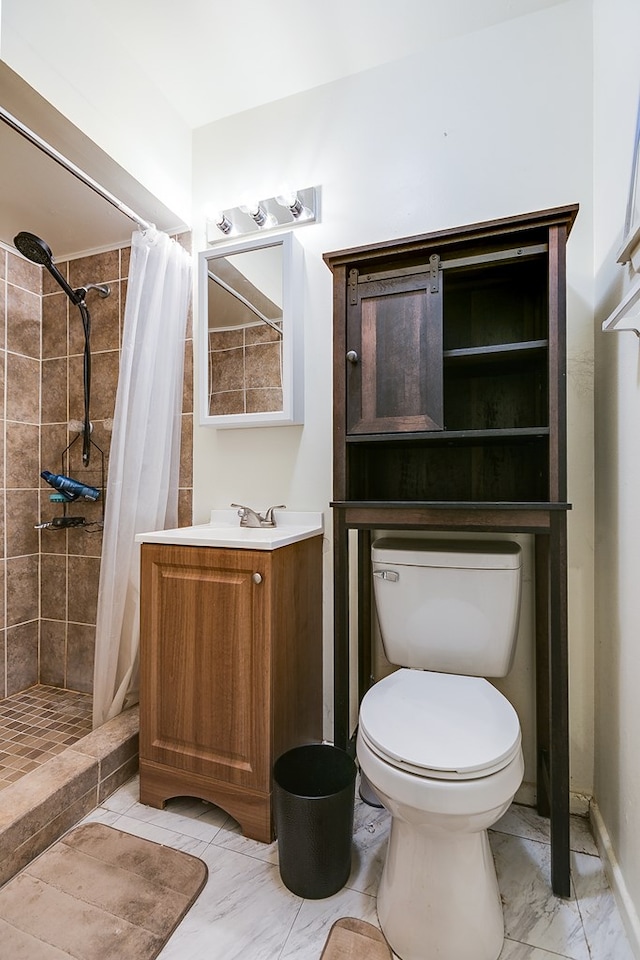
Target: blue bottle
[[70, 488]]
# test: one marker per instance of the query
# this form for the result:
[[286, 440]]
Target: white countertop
[[224, 530]]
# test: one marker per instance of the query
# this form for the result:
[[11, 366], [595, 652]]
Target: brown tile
[[227, 370], [53, 586], [226, 339], [23, 456], [110, 784], [80, 654], [97, 268], [75, 343], [22, 589], [227, 403], [24, 273], [104, 381], [3, 289], [49, 285], [115, 742], [23, 322], [264, 400], [3, 356], [263, 366], [86, 541], [3, 264], [123, 303], [52, 652], [187, 382], [53, 441], [185, 507], [31, 804], [261, 333], [22, 656], [54, 391], [23, 389], [188, 333], [105, 319], [125, 258], [3, 641], [21, 517], [54, 324], [186, 452], [83, 576]]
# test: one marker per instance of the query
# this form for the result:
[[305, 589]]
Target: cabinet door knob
[[352, 356], [257, 578]]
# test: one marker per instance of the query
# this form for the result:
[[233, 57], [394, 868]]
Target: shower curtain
[[142, 485]]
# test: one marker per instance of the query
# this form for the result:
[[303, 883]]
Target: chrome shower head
[[36, 250]]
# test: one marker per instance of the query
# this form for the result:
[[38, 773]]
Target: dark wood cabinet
[[449, 414], [230, 672]]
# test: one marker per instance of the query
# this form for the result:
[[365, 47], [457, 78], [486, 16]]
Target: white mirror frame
[[292, 334]]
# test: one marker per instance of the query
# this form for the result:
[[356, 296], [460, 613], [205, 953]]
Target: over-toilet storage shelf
[[450, 415]]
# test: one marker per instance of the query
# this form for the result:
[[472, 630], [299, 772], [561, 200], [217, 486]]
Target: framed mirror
[[250, 343]]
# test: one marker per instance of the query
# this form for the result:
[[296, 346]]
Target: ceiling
[[208, 59]]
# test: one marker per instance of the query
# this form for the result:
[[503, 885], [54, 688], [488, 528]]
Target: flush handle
[[392, 575]]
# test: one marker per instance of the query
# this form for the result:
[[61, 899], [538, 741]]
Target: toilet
[[439, 744]]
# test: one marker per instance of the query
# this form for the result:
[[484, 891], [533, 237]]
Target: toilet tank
[[448, 605]]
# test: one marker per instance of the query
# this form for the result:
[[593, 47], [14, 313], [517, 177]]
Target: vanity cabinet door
[[205, 664]]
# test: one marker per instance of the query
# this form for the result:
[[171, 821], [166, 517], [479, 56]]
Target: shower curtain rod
[[41, 144]]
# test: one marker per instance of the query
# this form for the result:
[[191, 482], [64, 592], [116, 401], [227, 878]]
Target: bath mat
[[98, 894], [351, 939]]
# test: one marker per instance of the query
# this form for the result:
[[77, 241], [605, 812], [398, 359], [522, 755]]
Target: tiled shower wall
[[49, 583]]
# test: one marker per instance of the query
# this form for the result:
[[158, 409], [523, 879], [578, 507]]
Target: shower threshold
[[54, 769]]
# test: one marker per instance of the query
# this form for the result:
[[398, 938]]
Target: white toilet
[[439, 744]]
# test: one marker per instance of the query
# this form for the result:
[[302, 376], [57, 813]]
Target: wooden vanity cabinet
[[230, 672]]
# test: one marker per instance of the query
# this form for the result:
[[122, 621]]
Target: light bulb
[[292, 202]]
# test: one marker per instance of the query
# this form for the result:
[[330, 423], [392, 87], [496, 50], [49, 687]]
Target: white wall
[[617, 653], [489, 124]]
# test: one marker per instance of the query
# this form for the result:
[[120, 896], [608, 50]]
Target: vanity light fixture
[[288, 209]]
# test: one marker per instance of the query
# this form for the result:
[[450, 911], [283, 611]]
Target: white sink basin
[[224, 530]]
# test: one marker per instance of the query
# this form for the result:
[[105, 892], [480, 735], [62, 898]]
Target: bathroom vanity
[[230, 660], [449, 415]]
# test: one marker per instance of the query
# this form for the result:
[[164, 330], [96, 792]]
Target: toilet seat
[[439, 725]]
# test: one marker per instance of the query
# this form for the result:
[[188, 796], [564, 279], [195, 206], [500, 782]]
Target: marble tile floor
[[246, 912]]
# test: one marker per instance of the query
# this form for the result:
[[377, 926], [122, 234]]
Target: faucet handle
[[268, 517], [248, 516]]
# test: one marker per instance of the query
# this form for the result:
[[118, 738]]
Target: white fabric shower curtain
[[142, 486]]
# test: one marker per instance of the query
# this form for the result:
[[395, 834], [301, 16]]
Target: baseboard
[[578, 802], [616, 879]]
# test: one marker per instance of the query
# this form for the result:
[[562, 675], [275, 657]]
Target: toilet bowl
[[439, 745], [443, 753]]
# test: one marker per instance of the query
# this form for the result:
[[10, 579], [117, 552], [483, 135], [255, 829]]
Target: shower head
[[36, 250], [33, 248]]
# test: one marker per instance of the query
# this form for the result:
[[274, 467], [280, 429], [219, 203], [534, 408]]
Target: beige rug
[[98, 894], [352, 939]]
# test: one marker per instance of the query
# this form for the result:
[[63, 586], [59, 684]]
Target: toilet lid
[[440, 725]]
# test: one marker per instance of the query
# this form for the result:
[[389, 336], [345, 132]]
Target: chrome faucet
[[251, 518]]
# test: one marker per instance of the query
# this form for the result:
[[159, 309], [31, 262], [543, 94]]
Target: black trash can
[[314, 789]]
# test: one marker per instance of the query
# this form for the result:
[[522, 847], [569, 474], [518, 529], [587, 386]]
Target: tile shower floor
[[36, 725], [245, 911]]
